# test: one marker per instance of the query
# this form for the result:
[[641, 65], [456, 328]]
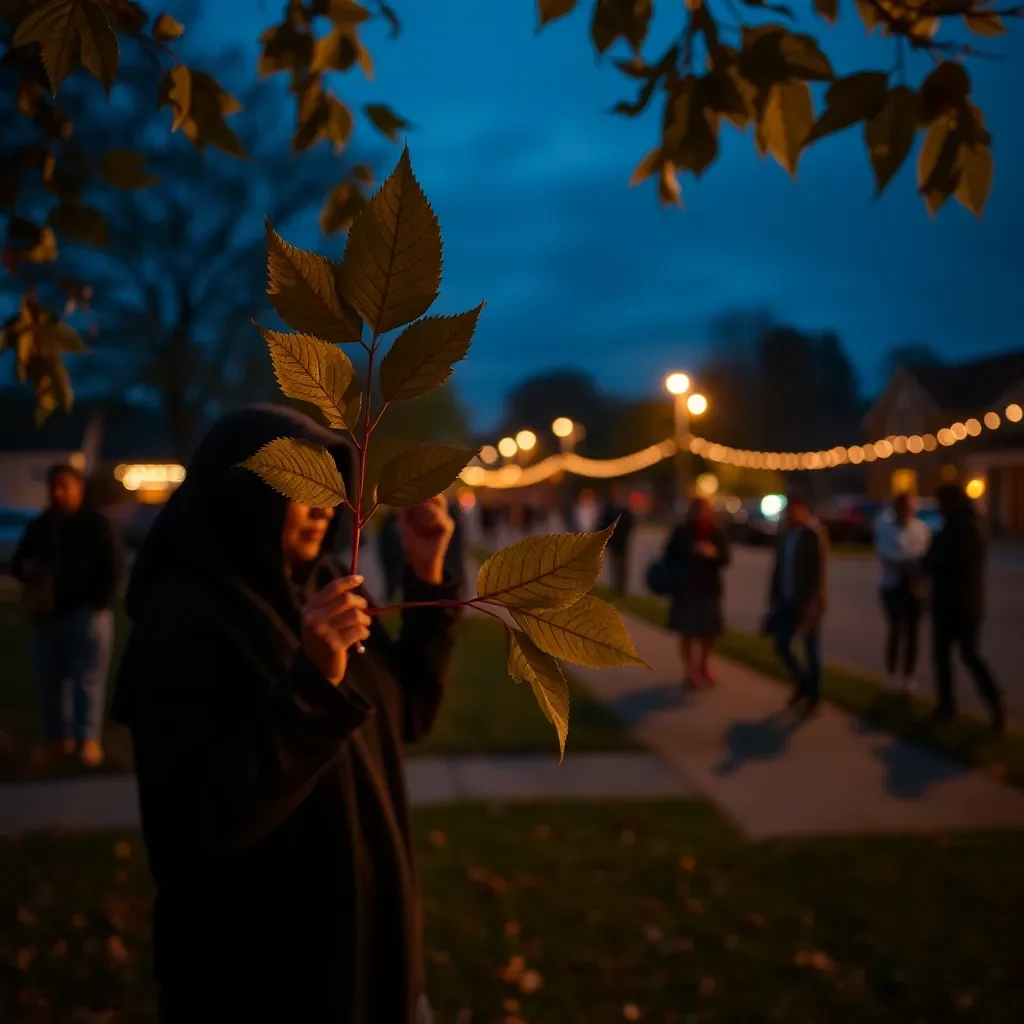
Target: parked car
[[761, 528], [13, 522], [850, 520]]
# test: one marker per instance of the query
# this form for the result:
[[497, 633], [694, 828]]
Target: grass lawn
[[969, 738], [484, 710], [566, 913]]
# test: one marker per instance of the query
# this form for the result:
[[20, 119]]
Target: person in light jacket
[[902, 541]]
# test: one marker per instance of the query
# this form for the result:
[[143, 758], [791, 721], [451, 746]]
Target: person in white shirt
[[901, 541]]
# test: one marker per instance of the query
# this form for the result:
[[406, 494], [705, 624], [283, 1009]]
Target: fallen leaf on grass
[[59, 948], [542, 832], [120, 876], [653, 933], [963, 1000], [512, 929], [757, 919], [694, 905], [707, 988], [439, 956], [464, 1016], [731, 941], [437, 837], [510, 1005], [513, 970], [122, 850], [24, 957], [687, 863], [78, 920], [627, 837], [26, 917], [631, 1011], [816, 958]]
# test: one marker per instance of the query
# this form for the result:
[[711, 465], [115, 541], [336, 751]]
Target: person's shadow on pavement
[[763, 739], [633, 708], [910, 770]]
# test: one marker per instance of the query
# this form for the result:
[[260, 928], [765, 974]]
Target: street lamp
[[684, 406]]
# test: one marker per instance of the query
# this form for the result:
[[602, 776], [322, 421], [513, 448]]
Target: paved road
[[854, 626]]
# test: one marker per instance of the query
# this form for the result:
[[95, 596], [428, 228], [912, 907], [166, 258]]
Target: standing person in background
[[616, 508], [390, 554], [455, 558], [797, 600], [697, 552], [69, 565], [588, 511], [902, 540], [956, 563]]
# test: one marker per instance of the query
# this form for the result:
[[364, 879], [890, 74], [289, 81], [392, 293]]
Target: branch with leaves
[[721, 68], [387, 281]]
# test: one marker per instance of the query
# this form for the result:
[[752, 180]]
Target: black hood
[[224, 521]]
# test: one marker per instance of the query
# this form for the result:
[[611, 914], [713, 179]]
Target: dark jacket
[[808, 573], [619, 540], [956, 564], [82, 551], [274, 806], [700, 574]]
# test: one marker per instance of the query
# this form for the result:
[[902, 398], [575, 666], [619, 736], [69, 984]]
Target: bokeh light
[[677, 383], [562, 427], [488, 454], [507, 447], [526, 440], [975, 488], [696, 405]]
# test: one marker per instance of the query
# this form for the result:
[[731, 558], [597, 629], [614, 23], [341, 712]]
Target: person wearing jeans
[[68, 563], [797, 601]]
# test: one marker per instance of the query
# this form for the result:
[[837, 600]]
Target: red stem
[[419, 604], [357, 515]]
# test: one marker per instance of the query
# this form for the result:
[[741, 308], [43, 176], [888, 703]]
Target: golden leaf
[[310, 370], [589, 632], [786, 122], [299, 470], [548, 571], [392, 268], [527, 663], [420, 472]]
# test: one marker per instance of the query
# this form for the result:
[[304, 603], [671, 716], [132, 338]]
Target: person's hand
[[426, 532], [333, 621]]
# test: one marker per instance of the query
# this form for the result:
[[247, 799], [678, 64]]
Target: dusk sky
[[528, 175]]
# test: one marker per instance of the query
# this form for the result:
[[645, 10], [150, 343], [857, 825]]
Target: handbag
[[665, 577]]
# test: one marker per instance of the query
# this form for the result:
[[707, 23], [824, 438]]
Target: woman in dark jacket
[[698, 551], [268, 716]]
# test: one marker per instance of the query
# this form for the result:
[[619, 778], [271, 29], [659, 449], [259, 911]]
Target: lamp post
[[685, 404]]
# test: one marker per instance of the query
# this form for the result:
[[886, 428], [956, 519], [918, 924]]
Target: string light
[[570, 462]]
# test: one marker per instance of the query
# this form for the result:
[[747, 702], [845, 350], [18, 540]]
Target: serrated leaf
[[423, 355], [123, 169], [856, 98], [547, 571], [647, 168], [166, 29], [301, 471], [827, 9], [44, 250], [945, 87], [64, 338], [976, 166], [303, 288], [310, 370], [392, 267], [626, 19], [551, 10], [199, 106], [348, 12], [786, 122], [339, 50], [590, 632], [70, 32], [527, 663], [420, 472], [890, 134], [385, 120]]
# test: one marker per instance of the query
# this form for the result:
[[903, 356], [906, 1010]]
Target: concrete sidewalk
[[738, 746], [109, 802]]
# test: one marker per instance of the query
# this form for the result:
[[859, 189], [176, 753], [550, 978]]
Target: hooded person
[[268, 714]]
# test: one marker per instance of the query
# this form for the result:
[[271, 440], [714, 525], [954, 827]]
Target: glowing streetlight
[[562, 427], [526, 440], [488, 454], [677, 383], [696, 405], [507, 447], [975, 488]]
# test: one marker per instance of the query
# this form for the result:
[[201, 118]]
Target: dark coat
[[274, 807], [623, 519], [956, 564], [84, 554], [701, 575], [809, 571]]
